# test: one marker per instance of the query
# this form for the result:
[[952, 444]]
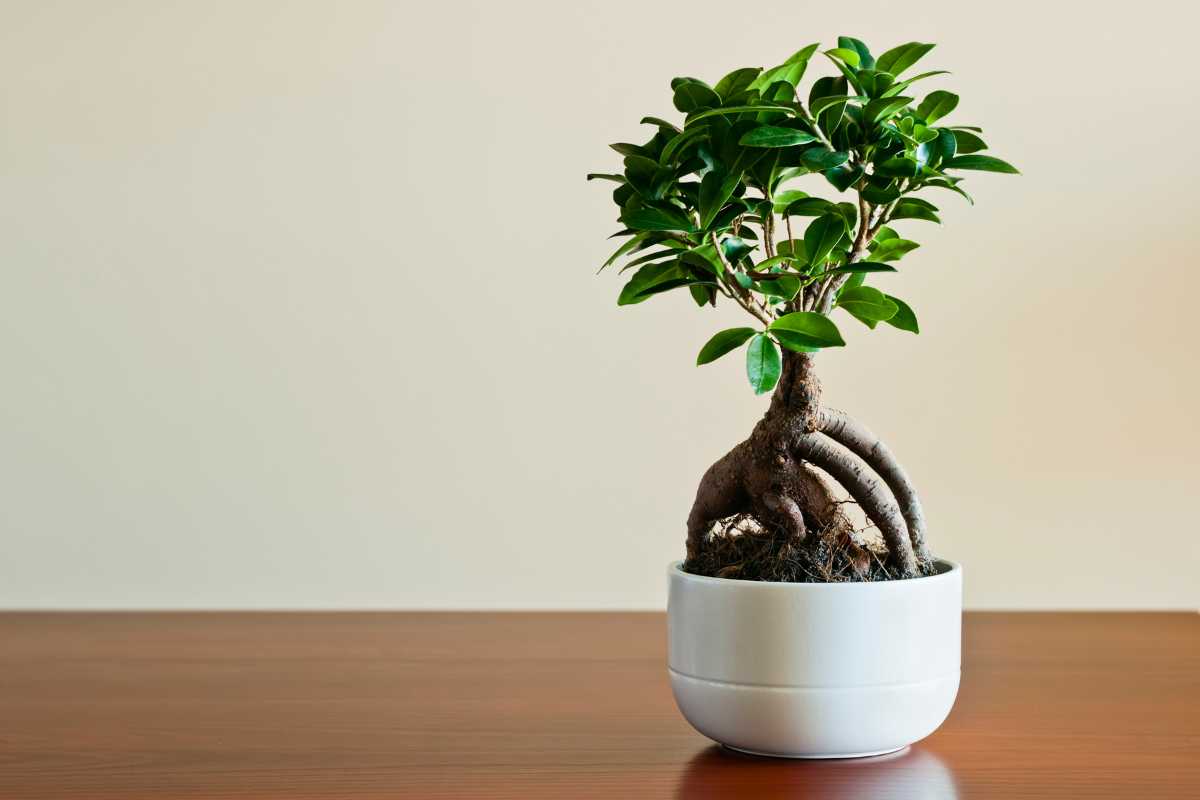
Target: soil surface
[[740, 548]]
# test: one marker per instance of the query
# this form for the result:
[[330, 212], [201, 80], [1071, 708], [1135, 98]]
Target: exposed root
[[764, 511], [739, 547], [870, 448], [855, 477]]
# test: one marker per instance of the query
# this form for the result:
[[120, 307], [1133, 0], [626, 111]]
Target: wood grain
[[572, 705]]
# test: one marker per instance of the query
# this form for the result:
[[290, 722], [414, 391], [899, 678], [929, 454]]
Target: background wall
[[298, 304]]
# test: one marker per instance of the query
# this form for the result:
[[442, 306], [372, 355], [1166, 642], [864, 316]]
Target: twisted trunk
[[770, 477]]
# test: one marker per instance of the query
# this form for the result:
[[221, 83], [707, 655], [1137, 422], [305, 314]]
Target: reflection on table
[[914, 772]]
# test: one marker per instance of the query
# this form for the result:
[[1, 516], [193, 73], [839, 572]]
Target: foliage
[[708, 205]]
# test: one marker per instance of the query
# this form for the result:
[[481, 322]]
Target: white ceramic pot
[[815, 670]]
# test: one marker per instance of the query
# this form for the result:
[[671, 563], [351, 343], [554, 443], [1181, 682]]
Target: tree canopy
[[709, 205]]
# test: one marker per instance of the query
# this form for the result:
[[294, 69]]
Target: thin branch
[[861, 240], [739, 295], [812, 123]]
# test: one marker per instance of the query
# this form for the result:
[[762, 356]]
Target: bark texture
[[870, 448], [770, 478]]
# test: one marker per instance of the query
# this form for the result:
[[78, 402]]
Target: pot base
[[806, 757], [814, 722]]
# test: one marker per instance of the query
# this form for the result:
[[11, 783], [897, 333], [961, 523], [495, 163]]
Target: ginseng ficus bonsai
[[713, 206]]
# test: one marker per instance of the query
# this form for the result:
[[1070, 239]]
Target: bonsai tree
[[712, 206]]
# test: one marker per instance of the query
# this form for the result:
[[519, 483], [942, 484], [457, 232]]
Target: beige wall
[[298, 304]]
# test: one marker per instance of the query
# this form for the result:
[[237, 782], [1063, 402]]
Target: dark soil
[[739, 547]]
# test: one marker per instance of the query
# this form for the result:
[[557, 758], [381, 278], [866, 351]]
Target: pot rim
[[949, 569]]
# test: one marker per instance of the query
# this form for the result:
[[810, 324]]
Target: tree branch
[[740, 295], [831, 285], [812, 123]]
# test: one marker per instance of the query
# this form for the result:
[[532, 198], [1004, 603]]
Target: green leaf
[[864, 55], [657, 255], [867, 304], [649, 218], [902, 57], [788, 173], [849, 55], [716, 188], [984, 163], [884, 107], [640, 166], [881, 195], [734, 248], [763, 364], [773, 261], [774, 136], [667, 285], [781, 200], [808, 207], [738, 110], [691, 95], [703, 258], [915, 208], [843, 177], [703, 295], [623, 194], [967, 142], [904, 318], [676, 145], [822, 103], [850, 75], [945, 183], [793, 342], [874, 83], [897, 88], [832, 113], [606, 176], [849, 213], [924, 135], [898, 167], [785, 287], [736, 83], [860, 268], [628, 247], [661, 123], [946, 145], [790, 71], [722, 343], [819, 159], [892, 249], [855, 280], [627, 149], [809, 328], [647, 278], [937, 105], [793, 248], [822, 235]]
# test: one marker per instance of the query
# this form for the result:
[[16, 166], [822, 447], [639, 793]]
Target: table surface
[[571, 705]]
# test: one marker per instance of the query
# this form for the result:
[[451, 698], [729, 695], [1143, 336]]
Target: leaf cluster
[[709, 205]]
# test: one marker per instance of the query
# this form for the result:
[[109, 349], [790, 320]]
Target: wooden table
[[566, 705]]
